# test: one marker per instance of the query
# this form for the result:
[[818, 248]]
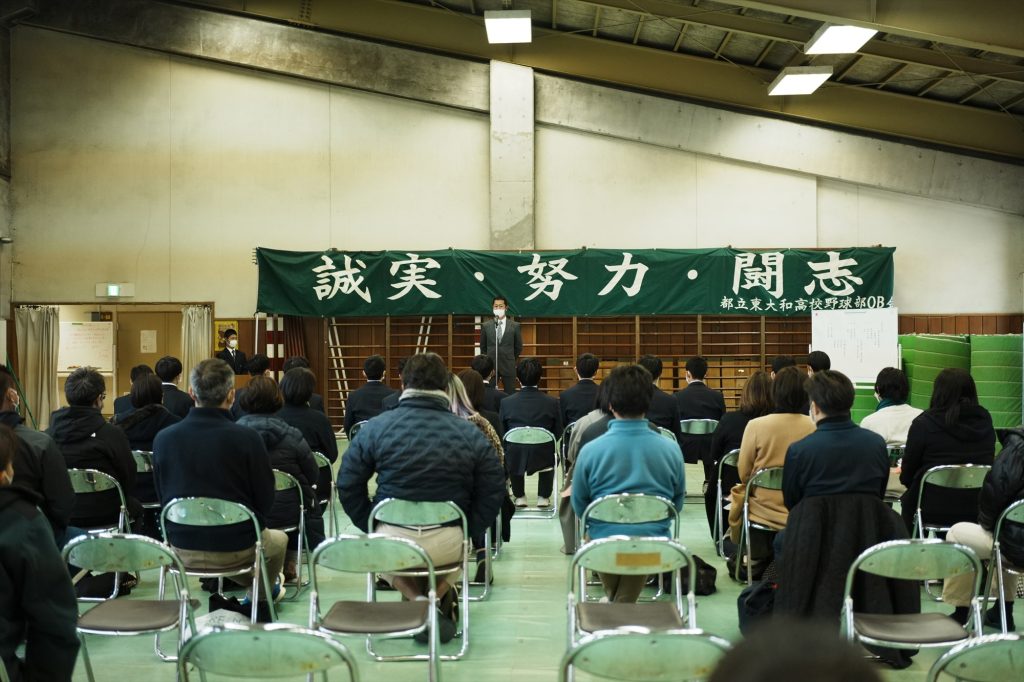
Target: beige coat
[[765, 441]]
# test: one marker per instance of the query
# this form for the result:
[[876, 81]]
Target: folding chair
[[895, 452], [209, 512], [643, 655], [355, 428], [369, 555], [1012, 514], [432, 514], [630, 556], [911, 560], [144, 465], [535, 435], [728, 459], [665, 433], [630, 508], [262, 651], [95, 482], [563, 450], [284, 481], [328, 504], [993, 658], [698, 427], [104, 552], [769, 478]]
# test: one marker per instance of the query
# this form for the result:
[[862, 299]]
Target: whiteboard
[[86, 344], [859, 343]]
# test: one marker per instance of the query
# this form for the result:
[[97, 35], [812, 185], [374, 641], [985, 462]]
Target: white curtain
[[38, 335], [196, 338]]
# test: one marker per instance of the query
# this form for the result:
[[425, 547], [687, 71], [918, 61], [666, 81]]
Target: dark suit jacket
[[239, 363], [493, 397], [576, 401], [177, 401], [316, 401], [123, 406], [508, 351], [365, 402], [390, 402], [664, 412], [530, 407], [697, 401]]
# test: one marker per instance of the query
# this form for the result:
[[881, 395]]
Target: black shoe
[[445, 630], [992, 619], [961, 615], [481, 573], [209, 585]]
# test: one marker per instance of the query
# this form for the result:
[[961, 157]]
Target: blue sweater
[[629, 458]]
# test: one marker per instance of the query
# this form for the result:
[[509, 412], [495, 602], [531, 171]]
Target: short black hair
[[818, 360], [652, 364], [146, 390], [892, 384], [499, 298], [425, 371], [529, 371], [168, 368], [831, 391], [138, 371], [293, 362], [586, 365], [697, 366], [297, 386], [482, 364], [228, 332], [788, 391], [780, 362], [373, 367], [84, 386], [211, 381], [261, 396], [258, 364], [630, 388]]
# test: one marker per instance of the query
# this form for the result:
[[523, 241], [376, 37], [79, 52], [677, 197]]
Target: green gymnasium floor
[[517, 635]]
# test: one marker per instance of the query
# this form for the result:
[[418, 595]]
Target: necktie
[[501, 330]]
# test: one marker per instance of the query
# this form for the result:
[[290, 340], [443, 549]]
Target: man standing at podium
[[502, 339]]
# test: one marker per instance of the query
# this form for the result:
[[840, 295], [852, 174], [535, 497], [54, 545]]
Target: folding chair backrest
[[285, 481], [264, 651], [916, 560], [895, 451], [356, 428], [143, 461], [633, 556], [409, 513], [1012, 514], [992, 658], [114, 552], [769, 478], [958, 476], [321, 460], [85, 481], [730, 459], [665, 433], [645, 656], [698, 427], [373, 553], [630, 508], [529, 435], [204, 511]]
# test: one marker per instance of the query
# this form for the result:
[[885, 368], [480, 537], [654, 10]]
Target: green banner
[[582, 282]]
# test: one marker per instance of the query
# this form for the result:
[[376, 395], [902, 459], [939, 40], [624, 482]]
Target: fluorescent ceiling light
[[508, 26], [799, 80], [838, 39]]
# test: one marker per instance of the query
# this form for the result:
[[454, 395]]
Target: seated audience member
[[38, 464], [421, 451], [475, 391], [1004, 485], [391, 401], [176, 401], [764, 444], [206, 454], [892, 418], [531, 407], [755, 401], [664, 409], [365, 402], [230, 353], [316, 401], [87, 441], [954, 429], [123, 404], [259, 366], [698, 401], [288, 453], [148, 416], [484, 364], [818, 360], [578, 399], [629, 458], [296, 387], [37, 601], [780, 362]]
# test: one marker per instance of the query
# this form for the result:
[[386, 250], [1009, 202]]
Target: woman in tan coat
[[764, 444]]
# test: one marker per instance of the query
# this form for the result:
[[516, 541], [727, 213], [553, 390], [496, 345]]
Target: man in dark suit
[[697, 401], [365, 402], [578, 400], [664, 411], [176, 401], [316, 401], [123, 404], [231, 355], [484, 365], [530, 407], [502, 339]]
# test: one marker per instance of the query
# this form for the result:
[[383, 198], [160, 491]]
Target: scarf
[[886, 402]]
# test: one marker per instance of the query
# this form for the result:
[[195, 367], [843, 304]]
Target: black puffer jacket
[[1003, 486], [288, 453]]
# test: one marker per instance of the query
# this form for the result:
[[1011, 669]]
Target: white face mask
[[233, 343], [499, 313]]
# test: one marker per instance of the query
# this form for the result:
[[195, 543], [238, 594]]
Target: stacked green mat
[[864, 403], [996, 365], [925, 355]]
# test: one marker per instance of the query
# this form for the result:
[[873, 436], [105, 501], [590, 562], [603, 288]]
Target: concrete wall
[[142, 167]]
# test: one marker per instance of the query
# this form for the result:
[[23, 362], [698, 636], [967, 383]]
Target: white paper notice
[[147, 338]]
